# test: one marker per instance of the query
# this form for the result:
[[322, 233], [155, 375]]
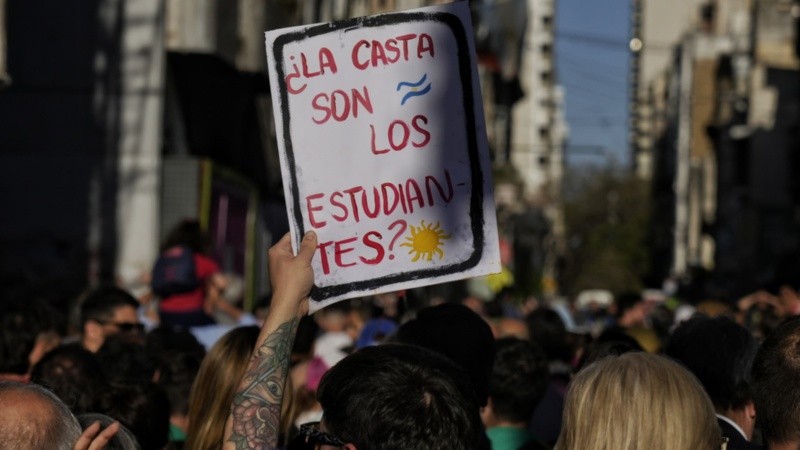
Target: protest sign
[[383, 150]]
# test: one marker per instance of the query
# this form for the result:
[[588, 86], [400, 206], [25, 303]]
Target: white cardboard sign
[[383, 150]]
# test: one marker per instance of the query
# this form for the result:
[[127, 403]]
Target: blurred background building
[[122, 118], [3, 75], [716, 115], [527, 133]]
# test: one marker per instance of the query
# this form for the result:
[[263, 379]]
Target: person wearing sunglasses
[[384, 397], [107, 311]]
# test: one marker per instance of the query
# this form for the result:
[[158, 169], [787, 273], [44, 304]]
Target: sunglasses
[[124, 327], [310, 437]]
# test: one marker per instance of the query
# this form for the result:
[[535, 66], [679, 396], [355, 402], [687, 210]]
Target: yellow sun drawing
[[426, 241]]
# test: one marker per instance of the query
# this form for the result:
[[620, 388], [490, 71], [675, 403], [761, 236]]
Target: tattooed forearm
[[257, 402]]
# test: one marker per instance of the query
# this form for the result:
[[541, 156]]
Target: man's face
[[124, 320]]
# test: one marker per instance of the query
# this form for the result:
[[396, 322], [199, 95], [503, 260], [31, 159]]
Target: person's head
[[32, 418], [176, 355], [187, 233], [630, 309], [505, 327], [176, 376], [547, 330], [458, 333], [720, 353], [612, 342], [29, 328], [122, 440], [163, 344], [213, 388], [107, 311], [762, 318], [333, 318], [17, 338], [125, 362], [399, 397], [776, 391], [143, 409], [518, 382], [637, 400], [73, 374]]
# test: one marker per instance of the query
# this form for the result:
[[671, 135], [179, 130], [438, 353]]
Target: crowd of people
[[402, 370]]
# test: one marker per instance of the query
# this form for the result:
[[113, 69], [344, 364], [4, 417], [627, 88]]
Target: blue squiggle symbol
[[415, 91]]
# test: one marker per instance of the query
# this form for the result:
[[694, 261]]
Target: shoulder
[[735, 439]]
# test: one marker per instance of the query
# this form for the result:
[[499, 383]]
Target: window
[[547, 23]]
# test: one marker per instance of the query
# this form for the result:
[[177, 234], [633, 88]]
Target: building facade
[[110, 136], [723, 139], [4, 80]]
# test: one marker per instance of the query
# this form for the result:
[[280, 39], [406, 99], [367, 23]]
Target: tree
[[607, 217]]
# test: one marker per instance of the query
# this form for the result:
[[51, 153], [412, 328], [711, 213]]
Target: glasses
[[124, 327], [310, 436]]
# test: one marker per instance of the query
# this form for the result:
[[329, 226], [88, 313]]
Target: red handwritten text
[[399, 134], [375, 53], [384, 199], [325, 62], [339, 104], [346, 254], [369, 250]]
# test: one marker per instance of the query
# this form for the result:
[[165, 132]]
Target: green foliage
[[607, 217]]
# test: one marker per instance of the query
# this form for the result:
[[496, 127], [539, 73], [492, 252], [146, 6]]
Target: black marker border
[[465, 72]]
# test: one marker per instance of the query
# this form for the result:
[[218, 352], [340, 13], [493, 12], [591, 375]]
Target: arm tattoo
[[257, 402]]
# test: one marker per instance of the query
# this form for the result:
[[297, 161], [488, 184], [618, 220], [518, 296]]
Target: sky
[[592, 66]]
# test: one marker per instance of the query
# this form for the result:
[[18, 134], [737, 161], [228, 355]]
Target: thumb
[[308, 246]]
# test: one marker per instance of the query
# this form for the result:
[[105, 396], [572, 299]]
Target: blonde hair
[[216, 382], [634, 401]]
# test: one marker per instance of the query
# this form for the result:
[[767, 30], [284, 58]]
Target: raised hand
[[95, 438], [255, 412]]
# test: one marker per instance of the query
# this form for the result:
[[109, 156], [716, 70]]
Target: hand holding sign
[[383, 150]]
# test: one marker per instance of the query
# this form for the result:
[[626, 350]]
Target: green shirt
[[508, 438], [176, 434]]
